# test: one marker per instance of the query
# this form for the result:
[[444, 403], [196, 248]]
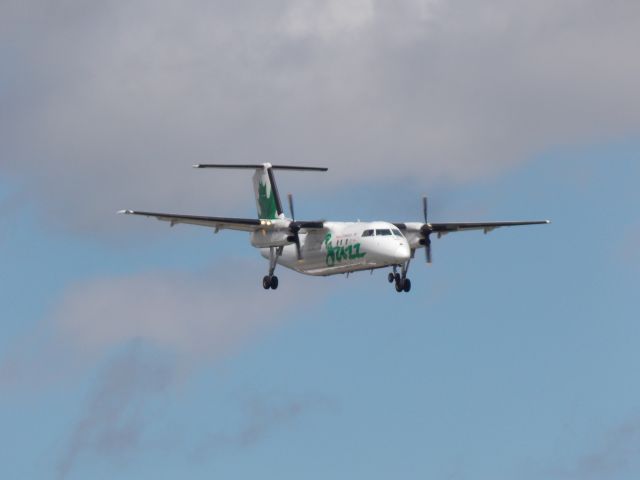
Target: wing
[[220, 223], [243, 224], [444, 228], [418, 234]]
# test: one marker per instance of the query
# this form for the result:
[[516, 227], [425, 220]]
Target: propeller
[[426, 230], [294, 228]]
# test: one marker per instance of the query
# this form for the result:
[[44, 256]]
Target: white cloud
[[203, 316], [149, 332], [328, 19], [197, 319], [105, 108]]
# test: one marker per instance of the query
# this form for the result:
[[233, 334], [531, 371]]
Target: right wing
[[219, 223]]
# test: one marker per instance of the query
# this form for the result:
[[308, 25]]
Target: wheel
[[274, 282], [266, 282], [399, 286], [391, 277], [406, 285], [398, 278]]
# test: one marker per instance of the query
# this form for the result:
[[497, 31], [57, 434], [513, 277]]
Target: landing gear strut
[[271, 281], [402, 283]]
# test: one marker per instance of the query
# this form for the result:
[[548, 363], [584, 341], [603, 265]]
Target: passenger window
[[367, 233], [384, 231]]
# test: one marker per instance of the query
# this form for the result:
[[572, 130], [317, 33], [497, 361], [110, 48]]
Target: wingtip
[[197, 165], [125, 212]]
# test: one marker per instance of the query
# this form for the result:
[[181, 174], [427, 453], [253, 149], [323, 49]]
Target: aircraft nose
[[402, 253]]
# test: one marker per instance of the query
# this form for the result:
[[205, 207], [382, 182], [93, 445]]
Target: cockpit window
[[384, 231], [396, 232], [367, 233]]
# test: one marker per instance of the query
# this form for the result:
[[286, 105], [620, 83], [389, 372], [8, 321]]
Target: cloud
[[152, 331], [328, 19], [201, 316], [117, 412], [262, 416], [197, 318], [106, 107]]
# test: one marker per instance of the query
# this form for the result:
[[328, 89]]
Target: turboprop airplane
[[323, 247]]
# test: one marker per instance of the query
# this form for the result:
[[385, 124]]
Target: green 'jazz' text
[[339, 254]]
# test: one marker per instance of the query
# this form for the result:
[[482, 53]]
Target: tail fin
[[266, 192], [264, 186]]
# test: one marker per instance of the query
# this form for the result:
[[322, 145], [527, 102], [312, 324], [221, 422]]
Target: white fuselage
[[343, 247]]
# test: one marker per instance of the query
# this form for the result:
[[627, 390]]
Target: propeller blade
[[425, 205], [293, 215], [294, 228], [298, 251], [427, 244]]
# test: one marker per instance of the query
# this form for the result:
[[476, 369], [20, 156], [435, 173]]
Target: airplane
[[322, 247]]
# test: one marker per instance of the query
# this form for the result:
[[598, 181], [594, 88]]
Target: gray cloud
[[262, 415], [152, 330], [618, 452], [117, 412], [105, 107], [169, 325]]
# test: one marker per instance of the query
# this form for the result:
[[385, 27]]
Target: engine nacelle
[[413, 235], [270, 238]]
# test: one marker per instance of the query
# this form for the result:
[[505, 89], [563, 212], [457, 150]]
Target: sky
[[130, 349]]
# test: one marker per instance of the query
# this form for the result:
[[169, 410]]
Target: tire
[[407, 285], [398, 278], [274, 282], [399, 286], [391, 277], [266, 282]]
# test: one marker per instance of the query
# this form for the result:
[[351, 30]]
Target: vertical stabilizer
[[266, 192]]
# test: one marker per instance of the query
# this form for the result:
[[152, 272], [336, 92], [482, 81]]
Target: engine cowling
[[270, 238]]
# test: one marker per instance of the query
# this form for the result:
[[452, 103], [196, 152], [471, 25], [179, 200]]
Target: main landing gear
[[403, 284], [271, 281]]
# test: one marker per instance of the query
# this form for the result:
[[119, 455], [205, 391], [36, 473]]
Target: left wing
[[443, 228], [418, 234], [243, 224]]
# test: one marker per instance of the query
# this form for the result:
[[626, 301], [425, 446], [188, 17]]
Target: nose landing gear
[[402, 283]]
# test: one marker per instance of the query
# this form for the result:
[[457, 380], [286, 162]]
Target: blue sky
[[514, 354], [130, 349]]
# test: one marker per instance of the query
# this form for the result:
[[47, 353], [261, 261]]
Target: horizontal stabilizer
[[260, 165]]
